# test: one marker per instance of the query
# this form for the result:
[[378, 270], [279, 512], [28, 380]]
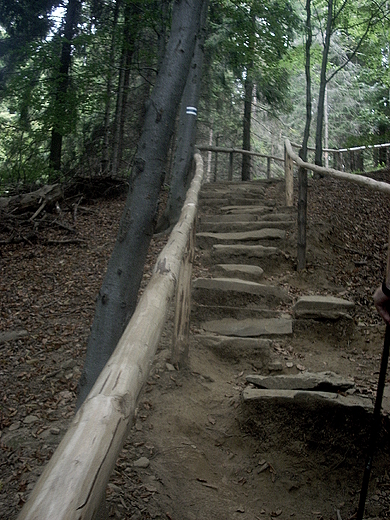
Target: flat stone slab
[[247, 209], [209, 239], [245, 272], [243, 286], [322, 307], [320, 381], [307, 397], [216, 219], [257, 349], [233, 251], [250, 327], [243, 226]]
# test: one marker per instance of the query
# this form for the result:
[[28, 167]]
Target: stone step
[[254, 209], [253, 273], [269, 215], [235, 349], [207, 240], [237, 292], [232, 200], [307, 398], [322, 307], [249, 327], [232, 253], [242, 226], [230, 193], [319, 381], [204, 312]]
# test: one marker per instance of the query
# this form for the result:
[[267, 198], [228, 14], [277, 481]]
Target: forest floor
[[195, 451]]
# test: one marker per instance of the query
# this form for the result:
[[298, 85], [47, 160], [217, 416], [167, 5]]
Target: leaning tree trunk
[[321, 95], [60, 105], [181, 175], [302, 173], [118, 295]]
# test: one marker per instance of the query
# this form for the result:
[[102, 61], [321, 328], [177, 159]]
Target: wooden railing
[[383, 187], [75, 479], [232, 151], [353, 158]]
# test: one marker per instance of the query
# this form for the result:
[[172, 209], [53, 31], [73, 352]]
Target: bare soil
[[205, 453]]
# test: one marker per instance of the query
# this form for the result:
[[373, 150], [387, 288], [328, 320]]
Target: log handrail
[[342, 150], [383, 187], [75, 479], [220, 149]]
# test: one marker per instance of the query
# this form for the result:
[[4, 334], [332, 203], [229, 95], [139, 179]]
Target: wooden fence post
[[268, 167], [288, 175], [181, 327], [230, 176]]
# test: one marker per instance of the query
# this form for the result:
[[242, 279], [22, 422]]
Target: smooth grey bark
[[118, 295], [186, 132], [302, 173]]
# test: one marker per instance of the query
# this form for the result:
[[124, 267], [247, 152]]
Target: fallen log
[[34, 201]]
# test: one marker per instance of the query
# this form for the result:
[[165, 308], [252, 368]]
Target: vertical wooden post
[[288, 175], [230, 176], [302, 218], [268, 167], [181, 327]]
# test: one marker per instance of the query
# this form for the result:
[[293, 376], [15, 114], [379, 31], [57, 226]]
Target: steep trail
[[214, 444]]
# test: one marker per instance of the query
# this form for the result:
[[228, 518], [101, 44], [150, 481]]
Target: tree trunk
[[105, 162], [130, 33], [60, 104], [321, 96], [118, 295], [302, 173], [246, 138], [181, 175]]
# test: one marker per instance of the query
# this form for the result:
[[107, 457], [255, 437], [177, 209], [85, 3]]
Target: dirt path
[[196, 450]]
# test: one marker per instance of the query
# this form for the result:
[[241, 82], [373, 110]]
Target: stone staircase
[[244, 241]]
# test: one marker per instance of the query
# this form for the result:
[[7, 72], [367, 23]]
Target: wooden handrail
[[383, 187], [219, 149], [75, 479], [342, 150]]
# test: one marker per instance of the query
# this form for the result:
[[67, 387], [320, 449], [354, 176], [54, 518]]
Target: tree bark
[[130, 33], [105, 162], [321, 95], [71, 18], [246, 138], [118, 295], [182, 166], [302, 173]]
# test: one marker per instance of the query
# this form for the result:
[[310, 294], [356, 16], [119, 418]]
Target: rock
[[249, 327], [12, 335], [143, 462], [205, 240], [210, 289], [309, 398], [232, 251], [170, 367], [235, 349], [322, 307], [14, 426], [275, 366], [55, 431], [325, 381], [245, 272], [30, 419]]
